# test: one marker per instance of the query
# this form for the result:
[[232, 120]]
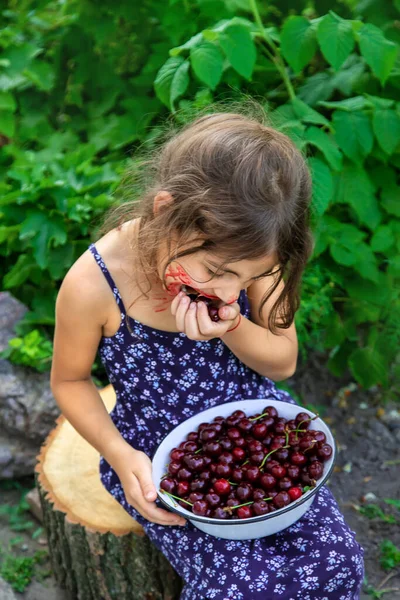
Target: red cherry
[[244, 512], [295, 493], [238, 454], [222, 486]]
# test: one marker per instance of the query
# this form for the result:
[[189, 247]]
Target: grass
[[19, 571]]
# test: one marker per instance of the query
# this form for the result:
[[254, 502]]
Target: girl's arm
[[80, 313], [274, 356]]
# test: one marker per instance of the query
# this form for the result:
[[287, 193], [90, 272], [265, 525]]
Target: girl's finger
[[175, 302], [191, 325], [181, 311], [206, 327], [229, 313]]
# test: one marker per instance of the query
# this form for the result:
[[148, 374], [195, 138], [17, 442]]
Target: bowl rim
[[280, 511]]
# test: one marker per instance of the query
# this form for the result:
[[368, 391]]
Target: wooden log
[[97, 550]]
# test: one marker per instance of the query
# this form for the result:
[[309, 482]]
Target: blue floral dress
[[162, 378]]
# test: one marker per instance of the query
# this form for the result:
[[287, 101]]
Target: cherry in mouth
[[197, 297]]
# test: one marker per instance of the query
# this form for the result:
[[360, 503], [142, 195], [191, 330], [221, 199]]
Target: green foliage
[[82, 85], [32, 350], [373, 511], [390, 555]]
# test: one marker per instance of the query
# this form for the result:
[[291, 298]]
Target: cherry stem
[[176, 497], [255, 418], [269, 454], [228, 508]]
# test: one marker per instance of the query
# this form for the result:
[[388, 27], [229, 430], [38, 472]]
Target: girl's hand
[[134, 469], [193, 319]]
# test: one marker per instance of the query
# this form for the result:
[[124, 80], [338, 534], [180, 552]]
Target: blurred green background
[[84, 85]]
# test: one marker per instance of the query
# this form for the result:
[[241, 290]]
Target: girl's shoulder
[[86, 280]]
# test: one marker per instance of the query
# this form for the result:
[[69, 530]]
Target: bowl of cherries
[[245, 469]]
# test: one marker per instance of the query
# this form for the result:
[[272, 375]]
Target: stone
[[28, 410], [6, 591]]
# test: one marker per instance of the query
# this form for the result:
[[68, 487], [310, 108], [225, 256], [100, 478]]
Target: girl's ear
[[161, 199]]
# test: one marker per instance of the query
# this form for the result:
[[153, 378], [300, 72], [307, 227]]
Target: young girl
[[226, 215]]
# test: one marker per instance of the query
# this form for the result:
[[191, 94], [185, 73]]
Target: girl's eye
[[212, 273]]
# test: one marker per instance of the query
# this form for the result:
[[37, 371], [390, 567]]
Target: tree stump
[[97, 551]]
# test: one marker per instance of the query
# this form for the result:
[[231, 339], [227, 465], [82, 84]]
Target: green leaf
[[307, 114], [322, 185], [20, 272], [40, 231], [378, 294], [368, 367], [356, 190], [386, 124], [349, 104], [194, 41], [390, 558], [343, 246], [336, 39], [383, 239], [207, 62], [298, 42], [7, 123], [325, 143], [379, 53], [353, 134], [316, 88], [7, 102], [41, 74], [238, 45], [172, 80], [390, 199]]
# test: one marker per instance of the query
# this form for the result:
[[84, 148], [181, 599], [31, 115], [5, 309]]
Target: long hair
[[239, 184]]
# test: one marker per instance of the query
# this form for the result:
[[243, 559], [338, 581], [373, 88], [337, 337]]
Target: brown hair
[[236, 181]]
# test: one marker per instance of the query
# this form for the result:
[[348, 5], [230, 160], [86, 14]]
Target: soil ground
[[368, 463]]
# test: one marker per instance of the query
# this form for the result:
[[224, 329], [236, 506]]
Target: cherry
[[258, 494], [233, 433], [192, 436], [245, 425], [244, 512], [212, 499], [240, 442], [303, 416], [219, 513], [194, 496], [226, 458], [295, 493], [252, 473], [176, 454], [270, 411], [282, 499], [244, 492], [183, 488], [285, 483], [226, 443], [222, 486], [193, 462], [257, 458], [238, 475], [174, 467], [293, 471], [200, 507], [319, 436], [198, 485], [223, 470], [324, 451], [298, 458], [260, 507], [208, 434], [255, 446], [238, 454], [259, 430], [278, 471], [168, 484], [183, 474], [268, 481], [282, 454], [315, 470], [212, 448]]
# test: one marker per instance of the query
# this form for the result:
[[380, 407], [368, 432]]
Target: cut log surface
[[98, 551]]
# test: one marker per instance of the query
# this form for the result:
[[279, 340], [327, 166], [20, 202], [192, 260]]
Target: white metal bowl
[[253, 527]]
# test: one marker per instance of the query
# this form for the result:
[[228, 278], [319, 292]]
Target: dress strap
[[108, 276]]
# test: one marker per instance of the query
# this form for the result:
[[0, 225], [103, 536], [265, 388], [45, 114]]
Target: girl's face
[[206, 273]]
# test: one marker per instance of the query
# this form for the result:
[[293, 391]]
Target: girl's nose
[[229, 295]]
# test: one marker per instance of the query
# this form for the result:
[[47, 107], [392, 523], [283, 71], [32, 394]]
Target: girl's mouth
[[196, 294]]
